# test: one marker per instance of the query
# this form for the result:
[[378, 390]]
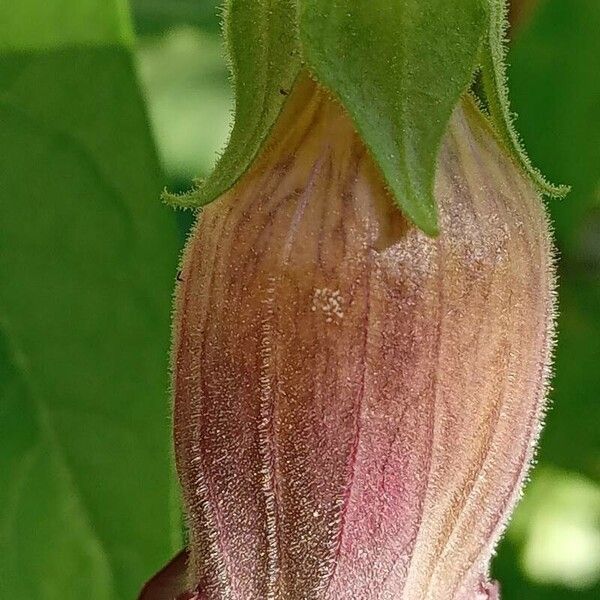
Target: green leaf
[[35, 25], [493, 62], [263, 48], [87, 258], [399, 68]]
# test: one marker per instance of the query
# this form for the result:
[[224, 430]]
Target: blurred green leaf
[[35, 25], [558, 528], [515, 585], [158, 16], [189, 97], [87, 256]]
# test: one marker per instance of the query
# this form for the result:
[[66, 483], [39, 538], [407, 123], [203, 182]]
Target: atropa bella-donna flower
[[363, 322]]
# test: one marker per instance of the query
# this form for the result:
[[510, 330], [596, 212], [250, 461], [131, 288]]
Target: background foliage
[[88, 255]]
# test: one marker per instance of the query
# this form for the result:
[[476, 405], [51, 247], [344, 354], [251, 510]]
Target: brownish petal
[[170, 583], [356, 403]]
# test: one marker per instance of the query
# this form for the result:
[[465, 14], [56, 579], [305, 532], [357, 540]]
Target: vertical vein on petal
[[305, 197], [435, 419], [337, 541], [267, 442]]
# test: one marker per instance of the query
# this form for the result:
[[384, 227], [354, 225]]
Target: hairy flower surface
[[356, 403]]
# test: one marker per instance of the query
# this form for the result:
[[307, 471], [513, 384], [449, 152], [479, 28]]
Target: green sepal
[[399, 68], [495, 89], [262, 43]]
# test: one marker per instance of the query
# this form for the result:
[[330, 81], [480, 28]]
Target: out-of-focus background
[[102, 104]]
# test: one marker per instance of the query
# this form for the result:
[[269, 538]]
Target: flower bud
[[356, 403]]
